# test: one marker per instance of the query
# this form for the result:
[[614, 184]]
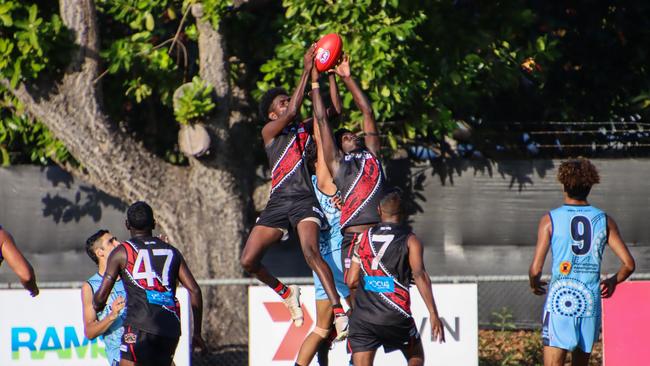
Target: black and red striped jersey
[[286, 153], [150, 278], [382, 296], [360, 179]]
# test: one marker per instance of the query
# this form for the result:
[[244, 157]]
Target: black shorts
[[286, 212], [147, 349], [366, 336], [347, 249]]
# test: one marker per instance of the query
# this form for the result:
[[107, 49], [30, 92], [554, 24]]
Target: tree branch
[[111, 159]]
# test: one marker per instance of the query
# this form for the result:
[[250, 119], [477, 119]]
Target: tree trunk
[[201, 207]]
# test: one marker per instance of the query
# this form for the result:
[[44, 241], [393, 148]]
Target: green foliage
[[378, 36], [503, 319], [194, 102], [29, 41], [24, 140]]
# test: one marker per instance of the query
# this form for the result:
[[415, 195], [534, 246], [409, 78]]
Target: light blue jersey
[[330, 245], [572, 310], [113, 335], [330, 239]]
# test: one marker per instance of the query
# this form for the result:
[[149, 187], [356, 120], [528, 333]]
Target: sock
[[282, 290], [338, 310]]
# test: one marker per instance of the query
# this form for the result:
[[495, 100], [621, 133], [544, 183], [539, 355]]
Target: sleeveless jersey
[[383, 293], [286, 153], [113, 335], [360, 179], [578, 239], [330, 239], [150, 278]]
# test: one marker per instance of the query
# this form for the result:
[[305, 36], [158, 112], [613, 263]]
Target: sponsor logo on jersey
[[130, 338], [565, 268], [379, 284]]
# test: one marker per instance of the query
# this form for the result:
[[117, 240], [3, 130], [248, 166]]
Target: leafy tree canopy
[[424, 65]]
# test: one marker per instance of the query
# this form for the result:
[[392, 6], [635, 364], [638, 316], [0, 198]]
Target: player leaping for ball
[[354, 165], [577, 234], [292, 203], [385, 260]]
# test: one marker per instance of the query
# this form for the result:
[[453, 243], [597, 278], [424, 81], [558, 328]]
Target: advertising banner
[[48, 330], [274, 340], [626, 320]]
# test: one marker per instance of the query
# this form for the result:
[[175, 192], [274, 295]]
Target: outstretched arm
[[116, 262], [331, 152], [619, 248], [196, 301], [544, 230], [274, 127], [337, 105], [369, 124], [17, 262], [423, 283]]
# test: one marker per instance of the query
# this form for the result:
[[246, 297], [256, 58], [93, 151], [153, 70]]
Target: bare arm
[[116, 262], [17, 262], [423, 283], [369, 124], [274, 127], [323, 175], [196, 301], [622, 252], [334, 96], [331, 152], [544, 231], [93, 327]]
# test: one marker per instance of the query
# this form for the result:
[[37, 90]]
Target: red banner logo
[[290, 345]]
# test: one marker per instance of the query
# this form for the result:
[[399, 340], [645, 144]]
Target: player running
[[385, 260], [330, 247], [19, 265], [355, 167], [151, 270], [107, 323], [292, 203], [576, 233]]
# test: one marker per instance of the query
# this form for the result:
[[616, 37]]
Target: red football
[[328, 51]]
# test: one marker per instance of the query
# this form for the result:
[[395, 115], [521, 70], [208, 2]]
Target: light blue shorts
[[569, 332], [333, 260]]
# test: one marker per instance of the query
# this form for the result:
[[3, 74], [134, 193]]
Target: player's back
[[383, 293], [360, 178], [150, 278], [330, 239], [579, 235]]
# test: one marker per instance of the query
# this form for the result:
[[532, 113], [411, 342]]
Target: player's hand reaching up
[[607, 287], [343, 68], [437, 330], [309, 57]]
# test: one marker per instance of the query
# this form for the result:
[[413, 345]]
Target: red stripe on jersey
[[399, 297], [291, 158], [362, 190]]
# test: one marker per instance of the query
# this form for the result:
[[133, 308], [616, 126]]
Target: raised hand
[[343, 68], [309, 57]]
